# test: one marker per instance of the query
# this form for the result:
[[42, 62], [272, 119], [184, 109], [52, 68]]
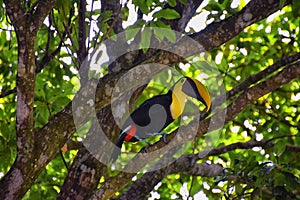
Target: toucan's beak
[[195, 89]]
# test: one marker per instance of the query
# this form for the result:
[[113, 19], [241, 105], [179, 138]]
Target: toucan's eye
[[182, 80]]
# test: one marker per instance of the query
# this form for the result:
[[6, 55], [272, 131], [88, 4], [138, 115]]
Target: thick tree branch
[[254, 11], [25, 82], [41, 12], [22, 174], [76, 186], [116, 18], [141, 188], [15, 11], [82, 176]]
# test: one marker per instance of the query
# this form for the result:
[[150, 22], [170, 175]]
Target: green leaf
[[131, 33], [145, 40], [43, 113], [158, 34], [167, 14], [279, 179], [61, 101], [281, 4], [125, 13], [296, 8], [172, 3], [279, 147], [149, 3], [170, 35], [142, 5], [196, 187], [161, 33]]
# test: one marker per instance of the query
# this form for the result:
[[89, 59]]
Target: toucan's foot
[[163, 138], [144, 149]]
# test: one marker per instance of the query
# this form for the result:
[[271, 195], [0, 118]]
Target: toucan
[[156, 113]]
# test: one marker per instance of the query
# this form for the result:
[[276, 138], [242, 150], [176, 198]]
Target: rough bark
[[23, 173], [79, 185]]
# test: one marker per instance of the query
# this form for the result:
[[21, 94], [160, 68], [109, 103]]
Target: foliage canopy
[[254, 46]]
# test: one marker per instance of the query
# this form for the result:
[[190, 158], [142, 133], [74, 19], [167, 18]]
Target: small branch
[[264, 73], [64, 34], [47, 58], [90, 20], [82, 52], [266, 144], [280, 119], [8, 92]]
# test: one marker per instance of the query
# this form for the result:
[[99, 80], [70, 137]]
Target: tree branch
[[47, 58], [8, 92], [116, 18], [22, 174], [84, 172], [82, 51], [254, 11], [266, 144], [41, 12], [141, 188], [76, 186], [186, 11], [252, 79]]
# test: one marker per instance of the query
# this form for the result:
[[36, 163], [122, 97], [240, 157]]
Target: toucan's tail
[[117, 148]]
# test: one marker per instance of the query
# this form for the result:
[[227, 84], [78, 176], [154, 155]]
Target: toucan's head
[[194, 88]]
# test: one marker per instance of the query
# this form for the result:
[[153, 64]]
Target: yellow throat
[[178, 100]]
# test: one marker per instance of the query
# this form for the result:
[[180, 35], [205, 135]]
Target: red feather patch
[[131, 133]]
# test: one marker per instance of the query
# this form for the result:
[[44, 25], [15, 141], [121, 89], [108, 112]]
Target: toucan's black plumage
[[155, 114]]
